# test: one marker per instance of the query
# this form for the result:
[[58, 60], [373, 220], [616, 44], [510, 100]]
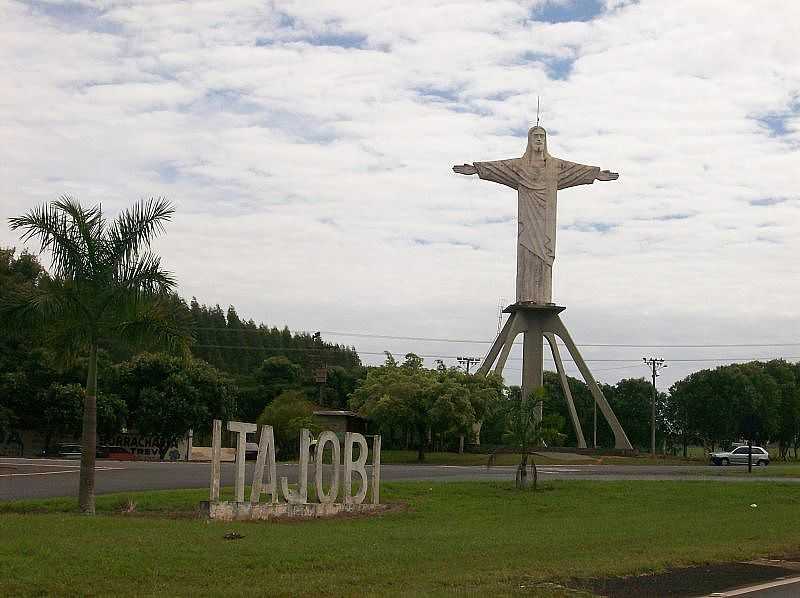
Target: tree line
[[157, 393], [755, 400], [107, 310], [237, 368], [423, 408]]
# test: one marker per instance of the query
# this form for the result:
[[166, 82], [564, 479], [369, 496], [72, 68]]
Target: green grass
[[466, 537], [777, 470]]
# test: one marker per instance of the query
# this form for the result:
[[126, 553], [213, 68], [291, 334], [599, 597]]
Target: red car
[[115, 453]]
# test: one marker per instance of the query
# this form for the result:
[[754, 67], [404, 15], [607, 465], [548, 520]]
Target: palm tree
[[104, 283], [524, 431]]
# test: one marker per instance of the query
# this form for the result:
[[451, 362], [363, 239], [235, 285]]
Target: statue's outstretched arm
[[498, 171], [572, 174], [465, 169], [607, 175]]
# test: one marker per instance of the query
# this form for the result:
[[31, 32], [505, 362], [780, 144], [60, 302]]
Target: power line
[[485, 342], [431, 356]]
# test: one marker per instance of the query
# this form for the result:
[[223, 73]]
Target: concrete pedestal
[[246, 511], [536, 322]]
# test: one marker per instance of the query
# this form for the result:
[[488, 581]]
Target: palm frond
[[134, 228], [143, 275], [159, 321], [50, 303], [53, 307], [69, 336], [51, 226], [87, 223]]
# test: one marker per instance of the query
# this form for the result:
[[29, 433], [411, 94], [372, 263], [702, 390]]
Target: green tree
[[112, 415], [420, 401], [278, 374], [7, 420], [632, 399], [60, 408], [788, 408], [167, 395], [341, 383], [584, 406], [288, 414], [104, 283], [273, 377], [724, 404]]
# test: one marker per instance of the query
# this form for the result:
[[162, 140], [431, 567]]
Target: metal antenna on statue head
[[537, 111]]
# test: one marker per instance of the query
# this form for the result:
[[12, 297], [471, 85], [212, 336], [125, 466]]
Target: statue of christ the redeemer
[[537, 177]]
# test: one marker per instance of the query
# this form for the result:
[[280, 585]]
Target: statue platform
[[536, 321]]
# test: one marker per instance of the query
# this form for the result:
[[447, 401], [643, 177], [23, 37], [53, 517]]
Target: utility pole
[[467, 361], [655, 364], [320, 373]]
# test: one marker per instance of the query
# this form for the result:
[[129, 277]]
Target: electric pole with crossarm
[[466, 362], [655, 364]]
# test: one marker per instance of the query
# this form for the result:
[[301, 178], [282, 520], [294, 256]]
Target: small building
[[341, 421]]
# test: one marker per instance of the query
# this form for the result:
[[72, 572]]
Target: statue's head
[[537, 141]]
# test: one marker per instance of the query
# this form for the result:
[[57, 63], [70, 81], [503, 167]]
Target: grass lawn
[[479, 537], [776, 470]]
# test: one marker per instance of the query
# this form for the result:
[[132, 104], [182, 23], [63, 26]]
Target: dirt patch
[[690, 581]]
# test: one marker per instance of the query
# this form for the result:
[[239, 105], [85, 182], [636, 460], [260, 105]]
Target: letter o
[[325, 438]]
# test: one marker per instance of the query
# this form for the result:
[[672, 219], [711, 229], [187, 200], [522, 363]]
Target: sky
[[308, 146]]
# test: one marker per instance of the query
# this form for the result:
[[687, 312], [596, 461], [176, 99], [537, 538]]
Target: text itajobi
[[265, 464]]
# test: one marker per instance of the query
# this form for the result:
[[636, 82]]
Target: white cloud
[[308, 147]]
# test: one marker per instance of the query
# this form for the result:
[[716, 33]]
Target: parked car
[[63, 451], [117, 453], [739, 456]]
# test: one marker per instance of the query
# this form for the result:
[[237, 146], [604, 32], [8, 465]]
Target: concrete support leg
[[498, 344], [513, 333], [532, 361], [562, 375], [620, 439]]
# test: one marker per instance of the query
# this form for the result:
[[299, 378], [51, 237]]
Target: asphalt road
[[41, 478], [783, 588]]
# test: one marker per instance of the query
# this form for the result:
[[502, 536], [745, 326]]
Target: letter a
[[266, 458]]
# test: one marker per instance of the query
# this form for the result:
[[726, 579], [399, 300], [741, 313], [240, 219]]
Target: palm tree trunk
[[89, 437]]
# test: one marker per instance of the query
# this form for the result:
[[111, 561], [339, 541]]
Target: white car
[[739, 456]]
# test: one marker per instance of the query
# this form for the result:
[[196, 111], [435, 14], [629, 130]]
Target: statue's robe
[[536, 244]]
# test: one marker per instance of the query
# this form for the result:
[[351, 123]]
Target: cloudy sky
[[308, 145]]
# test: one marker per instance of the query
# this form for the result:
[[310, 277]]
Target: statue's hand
[[607, 175], [465, 169]]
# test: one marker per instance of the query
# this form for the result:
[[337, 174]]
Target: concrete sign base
[[246, 511]]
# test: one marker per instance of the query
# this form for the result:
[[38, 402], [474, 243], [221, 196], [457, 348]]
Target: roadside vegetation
[[477, 537], [100, 343]]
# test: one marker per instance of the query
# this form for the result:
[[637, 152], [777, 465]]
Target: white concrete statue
[[537, 176]]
